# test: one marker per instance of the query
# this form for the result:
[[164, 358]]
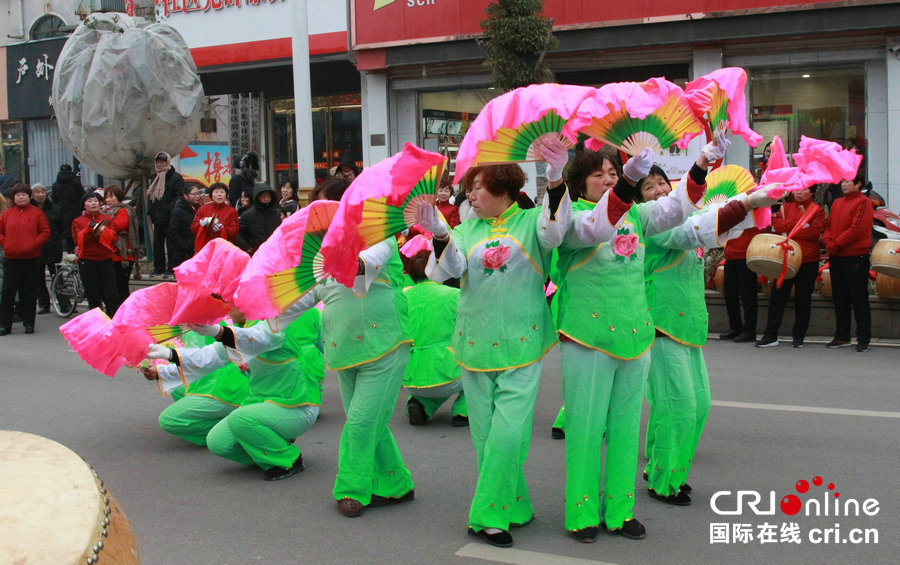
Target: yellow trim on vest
[[431, 386], [369, 360], [291, 405], [675, 339], [672, 264], [213, 397], [603, 351], [535, 360]]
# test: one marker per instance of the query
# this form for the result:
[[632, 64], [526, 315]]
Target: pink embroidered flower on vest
[[495, 257], [624, 245], [699, 252]]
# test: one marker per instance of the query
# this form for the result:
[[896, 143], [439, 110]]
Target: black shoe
[[745, 337], [278, 473], [379, 501], [586, 535], [30, 330], [43, 310], [679, 499], [416, 412], [835, 343], [730, 334], [685, 488], [767, 342], [459, 421], [5, 331], [520, 524], [860, 347], [500, 539], [168, 274], [798, 343], [631, 529], [557, 433]]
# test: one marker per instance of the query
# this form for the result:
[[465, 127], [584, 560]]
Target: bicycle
[[66, 290]]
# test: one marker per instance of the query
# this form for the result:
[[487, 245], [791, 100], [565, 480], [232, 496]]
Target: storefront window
[[446, 117], [825, 103], [12, 154]]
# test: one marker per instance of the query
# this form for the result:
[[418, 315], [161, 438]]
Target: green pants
[[602, 394], [192, 417], [259, 434], [501, 409], [433, 398], [369, 461], [560, 421], [679, 398]]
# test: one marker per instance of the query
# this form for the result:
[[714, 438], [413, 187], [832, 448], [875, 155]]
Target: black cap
[[162, 156]]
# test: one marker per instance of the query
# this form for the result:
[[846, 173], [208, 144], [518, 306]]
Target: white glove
[[205, 330], [715, 150], [217, 228], [760, 198], [159, 352], [204, 222], [638, 166], [554, 152], [430, 220]]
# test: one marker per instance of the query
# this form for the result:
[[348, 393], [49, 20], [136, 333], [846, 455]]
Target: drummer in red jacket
[[784, 221], [216, 219], [95, 243], [23, 232], [848, 241]]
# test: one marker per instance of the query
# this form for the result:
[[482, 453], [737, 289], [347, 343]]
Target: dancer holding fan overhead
[[604, 338], [503, 326]]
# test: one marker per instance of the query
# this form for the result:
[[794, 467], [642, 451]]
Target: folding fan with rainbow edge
[[288, 264], [636, 116], [362, 217], [725, 182], [718, 98], [511, 126]]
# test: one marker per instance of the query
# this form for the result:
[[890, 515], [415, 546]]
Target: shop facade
[[822, 69]]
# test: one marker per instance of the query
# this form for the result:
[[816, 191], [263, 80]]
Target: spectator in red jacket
[[447, 208], [848, 242], [216, 219], [740, 288], [95, 243], [23, 232], [803, 283]]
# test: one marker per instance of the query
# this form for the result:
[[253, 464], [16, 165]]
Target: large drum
[[720, 278], [824, 286], [54, 508], [886, 257], [765, 256], [887, 286]]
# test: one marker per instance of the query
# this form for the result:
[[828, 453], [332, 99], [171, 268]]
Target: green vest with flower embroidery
[[602, 304], [676, 291], [503, 320]]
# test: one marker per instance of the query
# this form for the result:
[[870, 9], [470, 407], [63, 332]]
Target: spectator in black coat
[[51, 254], [180, 239], [242, 182], [67, 193], [258, 223], [162, 194]]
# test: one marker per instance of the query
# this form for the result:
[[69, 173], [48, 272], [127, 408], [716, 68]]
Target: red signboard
[[384, 23]]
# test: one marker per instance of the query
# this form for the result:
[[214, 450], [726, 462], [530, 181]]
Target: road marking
[[810, 409], [519, 556]]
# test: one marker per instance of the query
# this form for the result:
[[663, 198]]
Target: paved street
[[779, 415]]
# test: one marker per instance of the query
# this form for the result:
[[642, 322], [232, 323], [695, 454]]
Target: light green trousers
[[258, 434], [560, 421], [501, 409], [602, 394], [433, 398], [192, 417], [369, 461], [679, 398]]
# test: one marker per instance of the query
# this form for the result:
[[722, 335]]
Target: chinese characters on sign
[[166, 7], [42, 68], [215, 169], [724, 532]]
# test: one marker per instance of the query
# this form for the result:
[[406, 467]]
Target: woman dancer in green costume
[[678, 384], [503, 327], [604, 338]]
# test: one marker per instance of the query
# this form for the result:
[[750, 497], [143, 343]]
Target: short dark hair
[[415, 265], [860, 178], [65, 168], [332, 189], [585, 163], [216, 185], [116, 191], [655, 170], [499, 180], [20, 187]]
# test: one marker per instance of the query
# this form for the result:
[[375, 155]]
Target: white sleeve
[[452, 264], [374, 258], [552, 231], [194, 364], [669, 211], [250, 342], [591, 228], [701, 230], [293, 311]]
